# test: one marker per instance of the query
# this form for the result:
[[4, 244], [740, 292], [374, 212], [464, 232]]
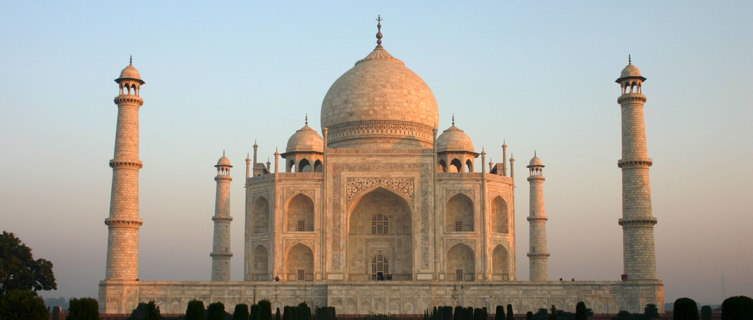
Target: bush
[[705, 313], [580, 311], [510, 315], [277, 314], [304, 312], [83, 309], [22, 304], [650, 311], [152, 311], [240, 312], [265, 310], [685, 309], [328, 313], [216, 311], [739, 307], [195, 310], [499, 313], [529, 315]]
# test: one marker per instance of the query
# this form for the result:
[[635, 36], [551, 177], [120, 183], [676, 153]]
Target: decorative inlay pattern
[[354, 186]]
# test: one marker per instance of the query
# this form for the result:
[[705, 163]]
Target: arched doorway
[[500, 265], [300, 214], [461, 264], [380, 224], [500, 220], [299, 264], [459, 214], [260, 264]]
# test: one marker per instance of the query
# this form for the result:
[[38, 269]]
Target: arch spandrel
[[357, 187]]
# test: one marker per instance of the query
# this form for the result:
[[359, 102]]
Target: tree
[[277, 314], [19, 270], [529, 315], [580, 311], [216, 311], [553, 313], [510, 315], [706, 313], [739, 307], [83, 309], [650, 311], [22, 304], [195, 310], [152, 311], [499, 313], [240, 312], [685, 309], [265, 310], [304, 311]]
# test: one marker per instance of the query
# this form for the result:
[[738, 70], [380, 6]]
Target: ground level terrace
[[393, 297]]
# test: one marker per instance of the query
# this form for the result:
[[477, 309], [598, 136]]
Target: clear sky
[[538, 75]]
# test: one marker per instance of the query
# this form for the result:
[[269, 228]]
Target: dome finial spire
[[630, 60], [130, 61], [379, 30], [307, 119], [453, 119]]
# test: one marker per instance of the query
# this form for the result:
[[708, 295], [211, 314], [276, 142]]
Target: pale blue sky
[[540, 75]]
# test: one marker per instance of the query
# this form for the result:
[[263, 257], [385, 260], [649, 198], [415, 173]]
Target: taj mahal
[[381, 211]]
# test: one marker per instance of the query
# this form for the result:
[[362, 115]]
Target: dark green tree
[[622, 315], [83, 309], [510, 315], [22, 304], [478, 314], [152, 311], [650, 311], [240, 312], [19, 270], [529, 315], [739, 307], [685, 309], [254, 314], [277, 314], [265, 310], [705, 313], [216, 311], [287, 313], [195, 310], [457, 313], [541, 314], [304, 312], [581, 312], [499, 313], [553, 313]]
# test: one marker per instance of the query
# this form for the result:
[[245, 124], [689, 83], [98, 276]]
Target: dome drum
[[380, 134]]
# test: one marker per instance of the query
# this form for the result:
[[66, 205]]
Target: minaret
[[221, 245], [639, 255], [538, 256], [123, 223]]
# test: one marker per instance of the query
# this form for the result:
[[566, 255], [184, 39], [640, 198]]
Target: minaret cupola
[[630, 79], [130, 80]]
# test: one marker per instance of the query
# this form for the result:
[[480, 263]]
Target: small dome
[[536, 161], [224, 161], [130, 72], [630, 71], [305, 140], [454, 139]]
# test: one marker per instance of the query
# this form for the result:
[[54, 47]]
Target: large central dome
[[379, 103]]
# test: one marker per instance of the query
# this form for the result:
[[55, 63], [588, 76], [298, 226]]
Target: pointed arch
[[299, 263], [393, 212], [461, 263], [260, 264], [501, 264], [459, 214], [442, 166], [260, 216], [304, 166], [299, 214], [290, 167], [318, 166], [500, 216], [469, 165], [455, 165]]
